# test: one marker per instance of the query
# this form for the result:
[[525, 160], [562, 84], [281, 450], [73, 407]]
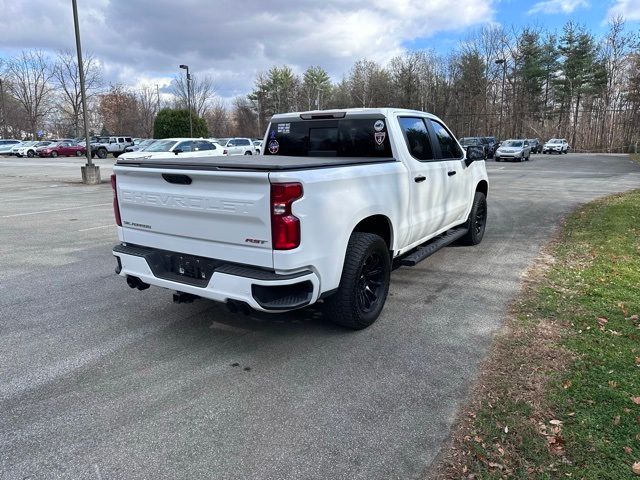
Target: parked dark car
[[536, 145], [493, 143], [62, 149], [476, 141]]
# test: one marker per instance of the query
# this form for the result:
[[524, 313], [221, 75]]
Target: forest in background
[[528, 82]]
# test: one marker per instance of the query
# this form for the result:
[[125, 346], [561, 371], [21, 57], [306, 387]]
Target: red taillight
[[285, 227], [116, 207]]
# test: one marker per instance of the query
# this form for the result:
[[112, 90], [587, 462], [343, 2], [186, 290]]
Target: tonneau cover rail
[[260, 163]]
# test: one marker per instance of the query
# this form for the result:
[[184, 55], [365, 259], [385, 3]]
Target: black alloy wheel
[[371, 283]]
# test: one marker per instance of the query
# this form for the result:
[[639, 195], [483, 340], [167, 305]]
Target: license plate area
[[178, 267]]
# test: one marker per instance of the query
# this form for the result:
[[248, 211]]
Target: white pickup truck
[[338, 200]]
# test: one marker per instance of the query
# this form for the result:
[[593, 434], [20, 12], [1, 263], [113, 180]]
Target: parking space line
[[56, 210], [95, 228]]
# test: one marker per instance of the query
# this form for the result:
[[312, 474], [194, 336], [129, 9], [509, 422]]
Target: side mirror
[[474, 153], [177, 151]]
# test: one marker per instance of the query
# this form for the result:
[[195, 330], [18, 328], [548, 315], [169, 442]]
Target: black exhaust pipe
[[236, 306], [135, 282]]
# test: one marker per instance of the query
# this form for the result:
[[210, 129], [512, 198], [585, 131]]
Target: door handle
[[419, 179], [451, 173]]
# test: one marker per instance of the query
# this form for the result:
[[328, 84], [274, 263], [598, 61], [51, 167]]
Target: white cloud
[[629, 9], [557, 6], [139, 41]]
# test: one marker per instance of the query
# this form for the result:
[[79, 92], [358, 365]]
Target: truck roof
[[348, 113]]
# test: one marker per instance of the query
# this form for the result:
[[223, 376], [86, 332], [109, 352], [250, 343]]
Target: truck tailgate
[[214, 214]]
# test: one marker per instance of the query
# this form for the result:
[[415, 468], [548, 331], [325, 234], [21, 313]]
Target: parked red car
[[62, 149]]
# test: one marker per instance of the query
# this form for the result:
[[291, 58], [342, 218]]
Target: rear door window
[[448, 146], [345, 137], [184, 146], [416, 137]]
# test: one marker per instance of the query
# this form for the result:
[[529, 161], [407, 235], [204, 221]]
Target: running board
[[432, 246]]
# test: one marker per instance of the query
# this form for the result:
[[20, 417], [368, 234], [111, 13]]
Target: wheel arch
[[483, 186], [379, 225]]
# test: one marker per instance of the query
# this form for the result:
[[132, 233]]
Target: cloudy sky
[[143, 41]]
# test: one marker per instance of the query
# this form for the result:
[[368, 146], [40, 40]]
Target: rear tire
[[115, 154], [78, 153], [247, 152], [477, 221], [364, 284]]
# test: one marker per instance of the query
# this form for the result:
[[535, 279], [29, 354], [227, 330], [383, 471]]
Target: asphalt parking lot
[[101, 381]]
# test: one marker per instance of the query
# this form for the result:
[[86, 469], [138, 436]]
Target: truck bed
[[260, 163]]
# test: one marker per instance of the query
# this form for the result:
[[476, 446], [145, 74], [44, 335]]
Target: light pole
[[4, 110], [186, 67], [503, 62], [90, 172]]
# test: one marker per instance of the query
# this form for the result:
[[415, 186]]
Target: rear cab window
[[334, 137], [416, 137]]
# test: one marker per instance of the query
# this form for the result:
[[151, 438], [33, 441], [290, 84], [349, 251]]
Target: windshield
[[469, 141], [145, 144], [554, 140], [345, 137], [512, 143], [161, 146]]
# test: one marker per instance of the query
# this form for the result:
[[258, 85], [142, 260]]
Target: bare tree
[[119, 111], [218, 120], [148, 104], [202, 92], [67, 78], [29, 77]]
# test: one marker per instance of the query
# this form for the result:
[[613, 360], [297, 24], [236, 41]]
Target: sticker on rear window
[[378, 126], [380, 136], [284, 127], [274, 146]]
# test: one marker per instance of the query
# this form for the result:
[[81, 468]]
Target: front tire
[[102, 153], [30, 154], [477, 220], [364, 284], [54, 154], [247, 152]]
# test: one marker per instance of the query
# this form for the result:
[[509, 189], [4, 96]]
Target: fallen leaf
[[616, 420], [637, 360], [555, 422], [628, 450], [636, 468], [506, 429], [633, 318], [636, 400], [567, 384], [496, 465], [613, 384], [602, 320]]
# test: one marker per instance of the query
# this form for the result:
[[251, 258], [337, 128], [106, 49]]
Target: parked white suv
[[338, 198], [559, 145], [239, 146], [29, 149], [110, 145], [176, 148]]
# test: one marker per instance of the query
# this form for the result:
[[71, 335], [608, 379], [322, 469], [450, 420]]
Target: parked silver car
[[518, 149]]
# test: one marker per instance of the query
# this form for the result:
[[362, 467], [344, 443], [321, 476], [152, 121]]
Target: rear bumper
[[261, 289]]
